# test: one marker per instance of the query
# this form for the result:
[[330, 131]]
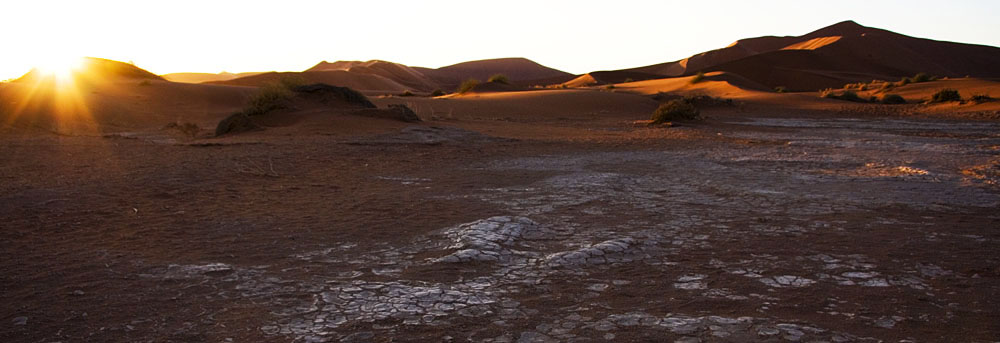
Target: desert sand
[[530, 214]]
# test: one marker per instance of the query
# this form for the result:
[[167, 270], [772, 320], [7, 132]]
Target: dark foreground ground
[[740, 229]]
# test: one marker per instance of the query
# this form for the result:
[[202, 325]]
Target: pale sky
[[574, 36]]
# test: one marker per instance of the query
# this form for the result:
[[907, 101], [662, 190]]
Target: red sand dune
[[833, 56], [521, 71]]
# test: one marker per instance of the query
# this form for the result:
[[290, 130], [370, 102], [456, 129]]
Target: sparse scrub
[[780, 89], [609, 87], [904, 81], [467, 86], [921, 77], [847, 95], [627, 80], [270, 97], [699, 77], [437, 92], [406, 93], [946, 95], [188, 129], [893, 99], [499, 78], [981, 98], [677, 109]]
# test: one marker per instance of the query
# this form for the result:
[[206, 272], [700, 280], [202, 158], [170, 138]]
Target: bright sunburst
[[62, 68]]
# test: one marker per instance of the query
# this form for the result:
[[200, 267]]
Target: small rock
[[20, 320]]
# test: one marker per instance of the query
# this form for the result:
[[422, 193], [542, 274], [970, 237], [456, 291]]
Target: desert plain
[[541, 207]]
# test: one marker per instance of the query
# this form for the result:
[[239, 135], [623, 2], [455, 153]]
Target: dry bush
[[946, 95], [677, 109], [467, 86]]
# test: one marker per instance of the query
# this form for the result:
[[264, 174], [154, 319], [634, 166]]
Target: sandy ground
[[509, 223]]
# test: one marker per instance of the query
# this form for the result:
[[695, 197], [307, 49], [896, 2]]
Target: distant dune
[[521, 71], [205, 77], [384, 76], [842, 53], [359, 81], [101, 69]]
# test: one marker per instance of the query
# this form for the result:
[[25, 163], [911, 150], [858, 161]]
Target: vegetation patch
[[780, 89], [847, 95], [499, 78], [946, 95], [467, 86], [673, 110], [893, 99], [437, 92], [981, 98], [699, 77]]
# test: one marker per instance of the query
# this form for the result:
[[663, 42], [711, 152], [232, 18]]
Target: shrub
[[272, 96], [406, 93], [847, 95], [946, 95], [780, 89], [499, 78], [609, 87], [629, 79], [978, 98], [920, 77], [699, 77], [467, 86], [904, 81], [893, 99], [676, 109], [437, 92]]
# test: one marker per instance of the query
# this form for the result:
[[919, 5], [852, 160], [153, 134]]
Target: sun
[[62, 68]]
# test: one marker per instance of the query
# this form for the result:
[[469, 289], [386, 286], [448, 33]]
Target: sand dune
[[715, 84], [399, 73], [518, 70], [835, 55], [609, 77], [360, 81], [205, 77]]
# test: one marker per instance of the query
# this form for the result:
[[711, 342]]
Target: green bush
[[893, 99], [780, 89], [499, 78], [699, 77], [437, 92], [946, 95], [467, 86], [676, 109]]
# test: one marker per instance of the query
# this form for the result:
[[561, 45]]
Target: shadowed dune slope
[[399, 73], [343, 78], [833, 56], [517, 70]]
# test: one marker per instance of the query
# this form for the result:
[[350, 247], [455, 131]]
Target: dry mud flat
[[771, 229]]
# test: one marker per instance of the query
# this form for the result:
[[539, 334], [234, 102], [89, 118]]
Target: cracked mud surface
[[838, 230]]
